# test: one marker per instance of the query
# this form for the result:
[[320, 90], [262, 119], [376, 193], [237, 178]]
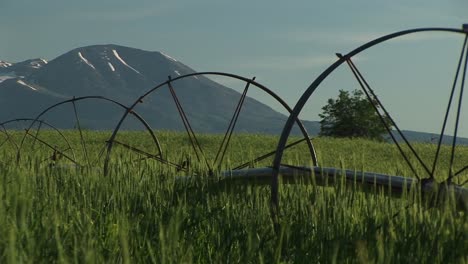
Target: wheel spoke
[[463, 183], [457, 120], [227, 136], [37, 134], [8, 138], [269, 154], [147, 126], [460, 171], [149, 155], [371, 96], [449, 105], [98, 158], [56, 150], [83, 142], [191, 134], [54, 155]]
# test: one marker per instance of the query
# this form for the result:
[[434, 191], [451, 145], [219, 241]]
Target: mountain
[[124, 74], [20, 69], [423, 137]]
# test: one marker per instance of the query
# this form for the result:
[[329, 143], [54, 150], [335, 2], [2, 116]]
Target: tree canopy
[[352, 115]]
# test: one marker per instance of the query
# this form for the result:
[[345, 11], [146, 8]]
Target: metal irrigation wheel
[[12, 133], [412, 157], [75, 146], [215, 158]]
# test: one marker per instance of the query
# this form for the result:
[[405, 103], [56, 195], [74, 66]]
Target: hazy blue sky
[[286, 44]]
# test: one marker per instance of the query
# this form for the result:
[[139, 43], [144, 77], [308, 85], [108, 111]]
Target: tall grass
[[140, 213]]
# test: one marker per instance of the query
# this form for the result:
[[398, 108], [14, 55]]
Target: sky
[[284, 44]]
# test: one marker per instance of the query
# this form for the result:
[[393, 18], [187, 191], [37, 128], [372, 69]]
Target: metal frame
[[41, 123], [73, 101], [193, 140], [315, 84]]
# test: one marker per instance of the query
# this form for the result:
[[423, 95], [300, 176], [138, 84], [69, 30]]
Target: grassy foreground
[[140, 213]]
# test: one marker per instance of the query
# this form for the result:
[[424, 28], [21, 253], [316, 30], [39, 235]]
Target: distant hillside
[[431, 138], [123, 74]]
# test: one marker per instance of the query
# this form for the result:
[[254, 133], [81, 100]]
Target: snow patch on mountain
[[85, 60], [6, 77], [167, 56], [116, 54], [25, 84], [35, 65], [111, 66], [5, 64]]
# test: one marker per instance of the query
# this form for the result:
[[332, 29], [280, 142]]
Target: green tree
[[352, 115]]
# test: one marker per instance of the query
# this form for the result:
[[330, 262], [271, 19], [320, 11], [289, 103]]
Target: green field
[[140, 213]]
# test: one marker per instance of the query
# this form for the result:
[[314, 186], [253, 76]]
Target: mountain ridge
[[124, 74]]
